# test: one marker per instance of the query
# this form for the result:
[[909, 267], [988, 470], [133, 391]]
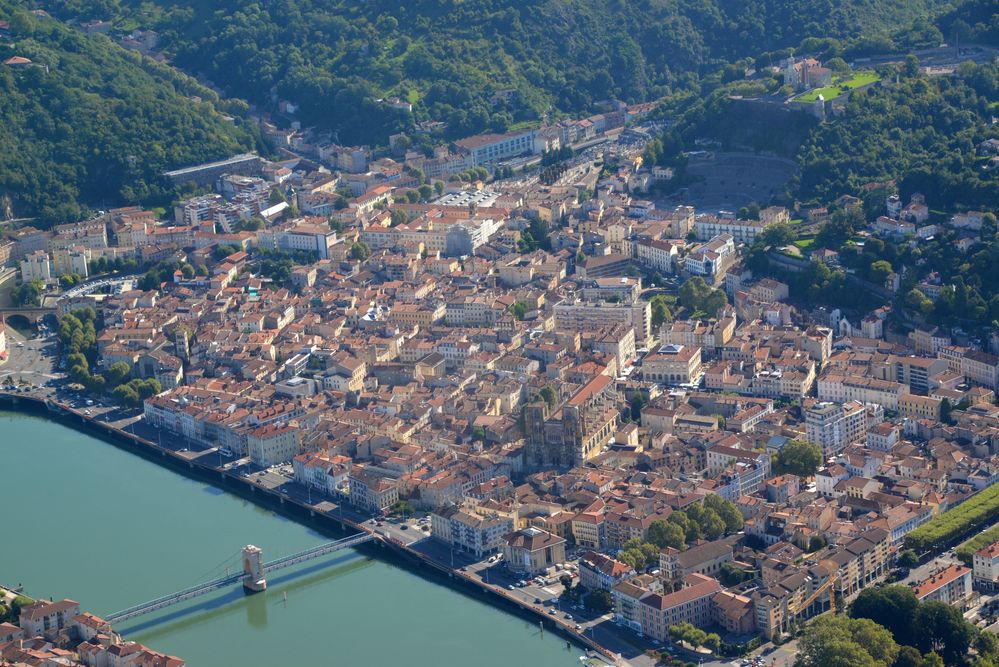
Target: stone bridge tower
[[253, 569]]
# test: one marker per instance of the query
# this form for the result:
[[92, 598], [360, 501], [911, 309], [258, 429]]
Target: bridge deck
[[207, 587]]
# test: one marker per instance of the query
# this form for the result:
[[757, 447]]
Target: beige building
[[71, 261], [691, 604], [919, 407], [273, 444], [672, 365], [585, 316], [532, 550], [43, 618]]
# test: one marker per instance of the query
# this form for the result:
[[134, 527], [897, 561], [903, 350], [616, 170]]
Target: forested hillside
[[449, 57], [89, 123], [922, 131]]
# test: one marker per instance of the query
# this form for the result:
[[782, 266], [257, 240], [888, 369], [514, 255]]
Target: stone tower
[[253, 569]]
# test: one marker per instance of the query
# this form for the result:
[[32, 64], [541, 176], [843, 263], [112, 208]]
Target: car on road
[[568, 617], [537, 600], [510, 587], [552, 612]]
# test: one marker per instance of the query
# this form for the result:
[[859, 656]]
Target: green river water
[[85, 520]]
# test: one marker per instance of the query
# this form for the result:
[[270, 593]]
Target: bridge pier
[[253, 569]]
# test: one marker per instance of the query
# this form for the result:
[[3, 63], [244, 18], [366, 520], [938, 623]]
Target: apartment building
[[658, 256], [36, 266], [589, 316], [833, 426], [301, 237], [985, 568], [70, 261], [491, 148], [272, 444], [600, 572], [691, 604], [712, 258], [742, 231], [470, 531], [842, 388], [43, 617], [951, 586], [371, 491]]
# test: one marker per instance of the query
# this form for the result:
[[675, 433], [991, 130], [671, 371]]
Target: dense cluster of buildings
[[58, 633], [521, 390]]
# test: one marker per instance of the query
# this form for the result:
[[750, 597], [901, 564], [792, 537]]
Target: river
[[85, 520]]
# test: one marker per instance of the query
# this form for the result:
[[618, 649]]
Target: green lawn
[[840, 85], [805, 244]]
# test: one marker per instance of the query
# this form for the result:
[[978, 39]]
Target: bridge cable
[[216, 568]]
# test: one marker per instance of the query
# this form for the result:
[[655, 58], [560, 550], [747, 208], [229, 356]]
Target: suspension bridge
[[252, 576]]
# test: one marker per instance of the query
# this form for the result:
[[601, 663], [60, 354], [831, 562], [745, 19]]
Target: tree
[[727, 510], [660, 311], [28, 294], [479, 433], [880, 270], [599, 600], [117, 373], [403, 508], [839, 641], [19, 602], [946, 410], [399, 217], [779, 234], [908, 656], [941, 628], [665, 534], [893, 607], [697, 296], [360, 251], [566, 581], [519, 310], [636, 403], [799, 457], [712, 525], [126, 395], [548, 395]]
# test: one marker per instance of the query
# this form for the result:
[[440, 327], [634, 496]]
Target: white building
[[489, 148], [742, 231], [712, 258], [657, 255], [36, 266], [300, 237], [477, 534], [985, 567], [832, 426]]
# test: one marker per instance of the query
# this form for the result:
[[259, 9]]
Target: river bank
[[384, 548]]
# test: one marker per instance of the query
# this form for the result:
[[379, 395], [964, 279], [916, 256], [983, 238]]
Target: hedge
[[977, 512], [967, 550]]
